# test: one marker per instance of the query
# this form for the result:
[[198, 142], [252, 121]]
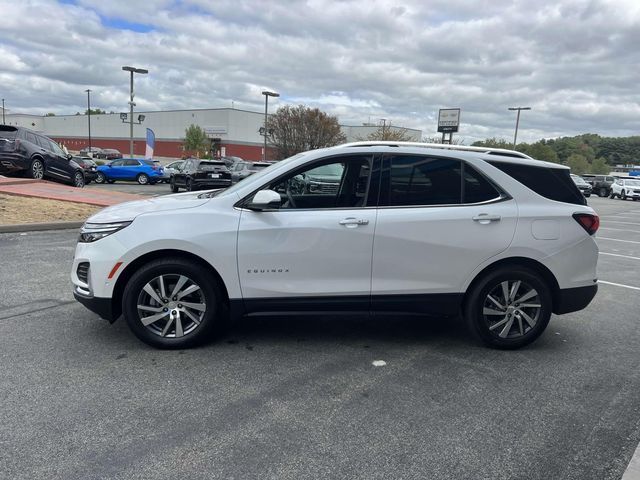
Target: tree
[[455, 141], [195, 140], [389, 133], [539, 151], [578, 164], [599, 166], [293, 130], [94, 111], [493, 143], [50, 114]]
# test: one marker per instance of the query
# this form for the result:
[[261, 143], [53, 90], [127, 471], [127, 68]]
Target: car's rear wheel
[[100, 178], [173, 303], [508, 308], [142, 178], [37, 169], [189, 185], [78, 179]]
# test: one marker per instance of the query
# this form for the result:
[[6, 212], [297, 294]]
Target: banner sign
[[151, 144], [448, 120]]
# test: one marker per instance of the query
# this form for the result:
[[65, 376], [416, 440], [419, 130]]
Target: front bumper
[[101, 306], [574, 299]]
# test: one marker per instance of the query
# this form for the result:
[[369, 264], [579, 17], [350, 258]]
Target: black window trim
[[322, 161], [503, 195]]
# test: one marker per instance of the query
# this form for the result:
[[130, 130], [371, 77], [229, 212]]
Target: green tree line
[[586, 153]]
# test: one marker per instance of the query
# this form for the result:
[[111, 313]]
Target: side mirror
[[264, 200], [69, 156]]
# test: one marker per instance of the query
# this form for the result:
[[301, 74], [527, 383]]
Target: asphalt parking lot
[[300, 398]]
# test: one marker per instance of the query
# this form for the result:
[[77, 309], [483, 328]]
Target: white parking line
[[617, 240], [619, 285], [633, 469], [625, 223], [619, 229], [618, 255]]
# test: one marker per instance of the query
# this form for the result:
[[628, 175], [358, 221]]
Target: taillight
[[589, 222]]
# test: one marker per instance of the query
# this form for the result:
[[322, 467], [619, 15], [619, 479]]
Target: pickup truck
[[600, 184]]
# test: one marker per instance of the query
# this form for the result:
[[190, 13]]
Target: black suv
[[23, 151], [198, 174]]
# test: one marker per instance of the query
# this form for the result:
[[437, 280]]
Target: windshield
[[257, 176], [578, 179]]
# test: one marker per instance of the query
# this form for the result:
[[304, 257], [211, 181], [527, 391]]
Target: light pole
[[89, 119], [266, 94], [3, 111], [132, 70], [519, 109]]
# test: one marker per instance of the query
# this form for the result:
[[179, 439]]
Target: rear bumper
[[574, 299], [211, 183], [12, 162], [101, 306]]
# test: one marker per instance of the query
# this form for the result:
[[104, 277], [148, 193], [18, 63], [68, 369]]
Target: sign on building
[[214, 131], [448, 120]]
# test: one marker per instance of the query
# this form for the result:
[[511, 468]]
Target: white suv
[[626, 188], [401, 228]]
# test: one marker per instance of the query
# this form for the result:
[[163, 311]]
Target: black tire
[[101, 178], [587, 195], [603, 192], [36, 171], [142, 178], [174, 187], [78, 179], [623, 195], [613, 195], [477, 300], [214, 318], [189, 185], [110, 181]]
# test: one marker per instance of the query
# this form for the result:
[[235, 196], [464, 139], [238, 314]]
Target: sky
[[576, 63]]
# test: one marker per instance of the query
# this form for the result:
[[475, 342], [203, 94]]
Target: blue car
[[140, 170]]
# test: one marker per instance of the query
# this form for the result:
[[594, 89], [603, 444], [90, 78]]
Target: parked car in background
[[624, 188], [322, 180], [140, 170], [242, 170], [410, 229], [582, 185], [90, 152], [25, 152], [201, 174], [89, 166], [172, 168], [230, 161], [109, 154], [600, 184]]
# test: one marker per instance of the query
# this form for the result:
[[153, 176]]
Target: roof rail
[[492, 151]]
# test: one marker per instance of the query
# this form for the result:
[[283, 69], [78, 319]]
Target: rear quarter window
[[552, 183]]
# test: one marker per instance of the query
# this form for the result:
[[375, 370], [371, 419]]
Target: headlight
[[90, 232]]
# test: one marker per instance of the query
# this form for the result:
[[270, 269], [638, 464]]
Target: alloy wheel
[[511, 309], [171, 306], [37, 170], [78, 180]]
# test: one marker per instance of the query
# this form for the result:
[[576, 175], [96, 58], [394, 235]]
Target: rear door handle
[[485, 218], [353, 222]]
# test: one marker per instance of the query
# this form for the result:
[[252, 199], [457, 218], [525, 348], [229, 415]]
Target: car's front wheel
[[100, 178], [623, 195], [78, 179], [173, 303], [174, 187], [508, 308]]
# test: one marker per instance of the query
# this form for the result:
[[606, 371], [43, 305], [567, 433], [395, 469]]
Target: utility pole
[[89, 119], [266, 94], [519, 109], [132, 70], [3, 111]]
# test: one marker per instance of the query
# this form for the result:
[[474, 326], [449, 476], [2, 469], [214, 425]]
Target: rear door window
[[552, 183], [411, 180], [31, 138], [131, 163], [476, 188], [44, 143]]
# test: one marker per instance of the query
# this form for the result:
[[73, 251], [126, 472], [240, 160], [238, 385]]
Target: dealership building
[[233, 132]]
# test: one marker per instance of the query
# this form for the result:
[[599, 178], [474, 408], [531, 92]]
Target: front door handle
[[351, 222], [485, 218]]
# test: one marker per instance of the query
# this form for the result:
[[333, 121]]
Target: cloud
[[575, 62]]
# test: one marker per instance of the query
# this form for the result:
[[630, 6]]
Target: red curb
[[64, 193]]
